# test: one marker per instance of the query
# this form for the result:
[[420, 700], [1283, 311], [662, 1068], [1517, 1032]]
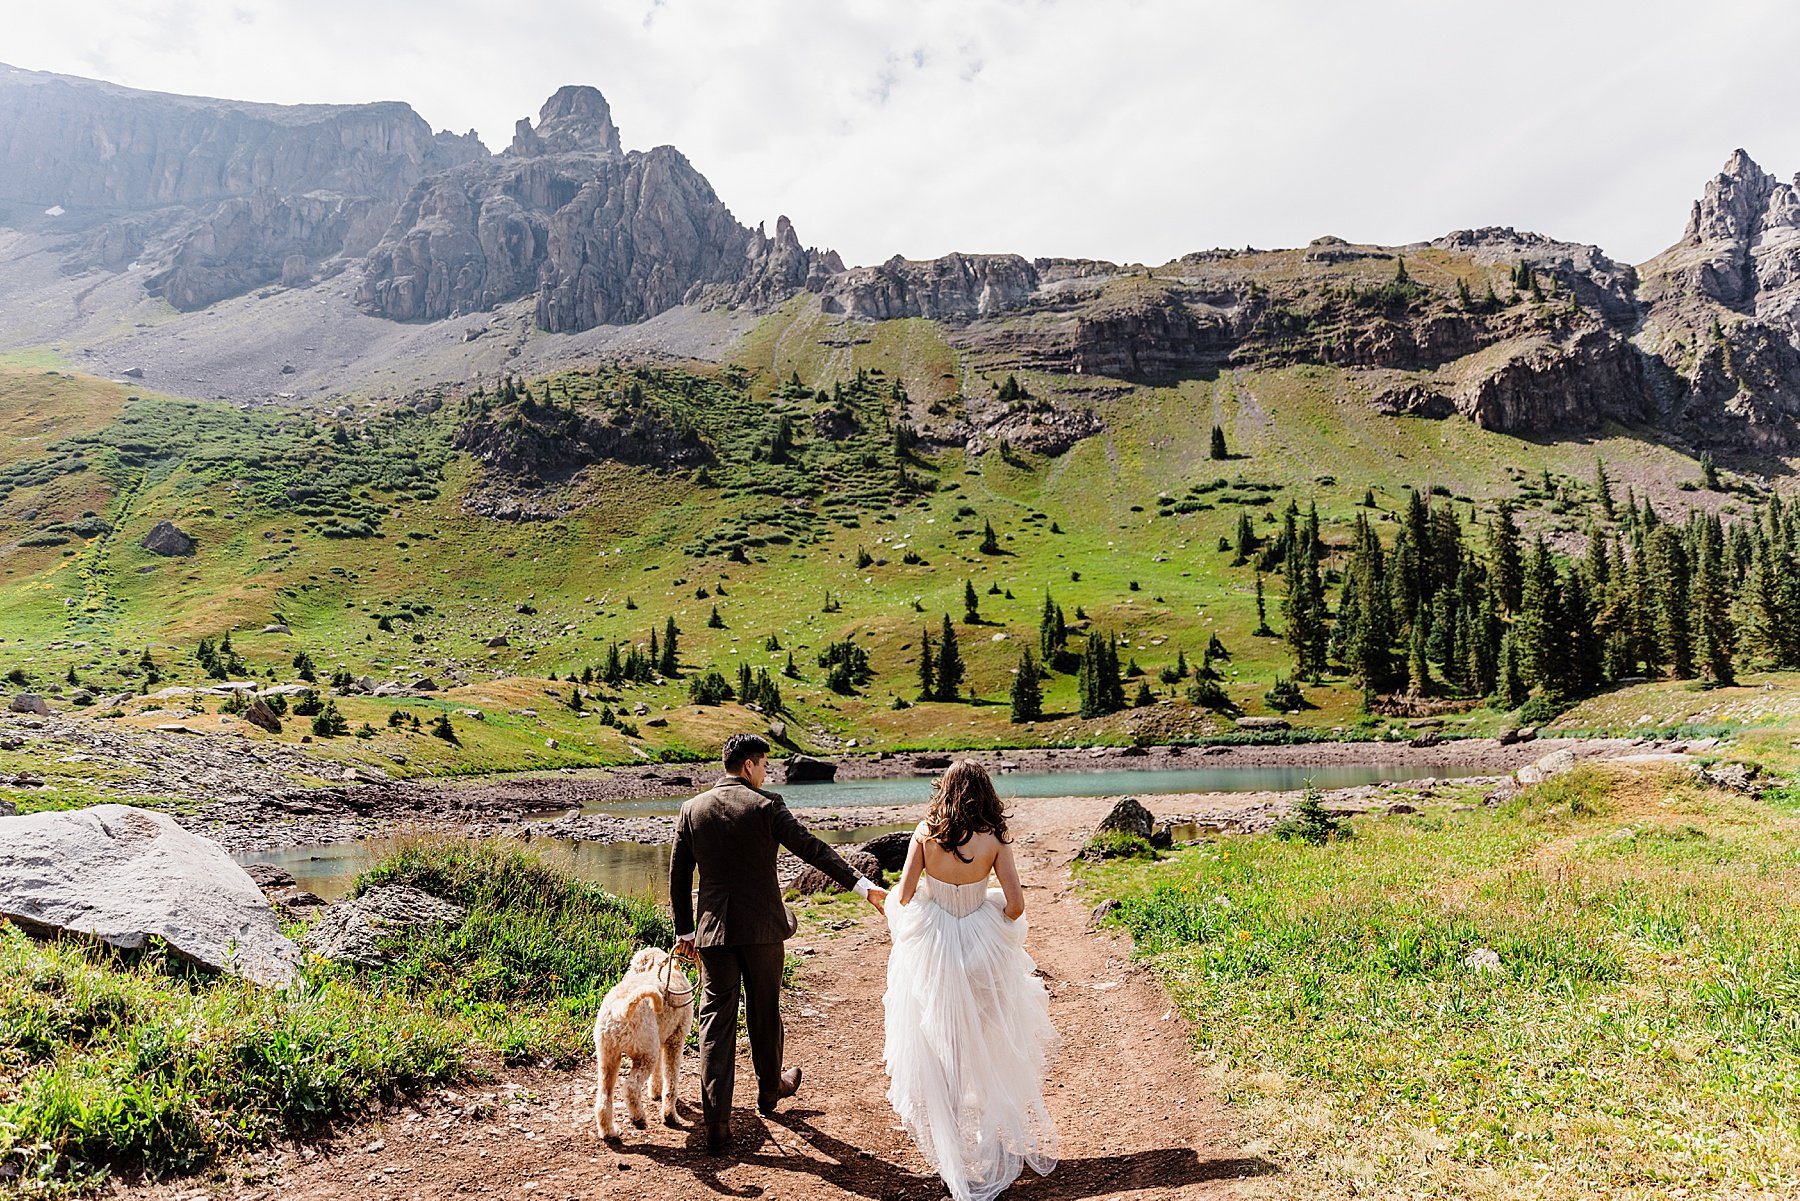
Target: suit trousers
[[752, 972]]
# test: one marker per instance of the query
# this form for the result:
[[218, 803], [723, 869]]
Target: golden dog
[[646, 1016]]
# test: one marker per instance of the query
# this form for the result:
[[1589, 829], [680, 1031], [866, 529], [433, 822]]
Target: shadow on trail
[[857, 1173]]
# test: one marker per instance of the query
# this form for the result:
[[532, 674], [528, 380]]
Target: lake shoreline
[[549, 804]]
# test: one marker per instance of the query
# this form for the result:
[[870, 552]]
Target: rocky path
[[1136, 1117]]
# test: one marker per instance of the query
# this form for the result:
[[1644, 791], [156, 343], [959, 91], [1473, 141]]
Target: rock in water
[[804, 769], [166, 539], [1128, 817], [351, 930], [124, 875]]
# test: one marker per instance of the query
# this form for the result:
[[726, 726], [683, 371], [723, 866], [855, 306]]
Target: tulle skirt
[[969, 1039]]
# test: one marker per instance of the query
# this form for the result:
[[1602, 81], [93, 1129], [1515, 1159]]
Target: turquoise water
[[642, 869], [626, 868], [1110, 782]]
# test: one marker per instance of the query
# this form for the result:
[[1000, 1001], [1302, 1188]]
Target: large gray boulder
[[1553, 764], [804, 769], [167, 539], [1128, 816], [29, 702], [811, 880], [351, 930], [890, 850], [125, 875]]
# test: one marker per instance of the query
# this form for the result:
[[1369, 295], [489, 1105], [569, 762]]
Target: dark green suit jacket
[[732, 834]]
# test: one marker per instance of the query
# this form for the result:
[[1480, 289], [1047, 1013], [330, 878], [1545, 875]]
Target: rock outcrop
[[957, 286], [805, 769], [1723, 312], [1546, 386], [810, 880], [1128, 816], [597, 235], [126, 875], [214, 197], [530, 440], [351, 930], [167, 539]]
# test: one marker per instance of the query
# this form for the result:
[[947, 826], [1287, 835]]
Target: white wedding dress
[[968, 1038]]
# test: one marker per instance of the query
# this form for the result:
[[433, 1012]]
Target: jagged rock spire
[[576, 119]]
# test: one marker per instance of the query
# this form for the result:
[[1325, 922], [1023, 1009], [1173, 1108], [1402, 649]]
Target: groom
[[731, 833]]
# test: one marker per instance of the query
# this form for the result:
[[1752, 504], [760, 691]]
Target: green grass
[[148, 1068], [623, 548], [1643, 1036]]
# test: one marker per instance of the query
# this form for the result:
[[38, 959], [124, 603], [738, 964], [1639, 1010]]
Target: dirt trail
[[1136, 1117]]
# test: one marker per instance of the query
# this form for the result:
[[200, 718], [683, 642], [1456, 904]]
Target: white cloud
[[1125, 129]]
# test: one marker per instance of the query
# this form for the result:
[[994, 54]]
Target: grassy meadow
[[144, 1068], [361, 531], [1639, 1037]]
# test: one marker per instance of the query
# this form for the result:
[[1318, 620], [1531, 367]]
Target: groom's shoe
[[718, 1137], [789, 1085]]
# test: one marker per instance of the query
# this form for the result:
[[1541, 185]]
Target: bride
[[968, 1023]]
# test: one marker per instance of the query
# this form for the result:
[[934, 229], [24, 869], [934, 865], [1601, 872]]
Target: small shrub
[[1311, 821]]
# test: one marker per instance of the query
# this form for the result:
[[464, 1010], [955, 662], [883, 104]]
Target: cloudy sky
[[1133, 130]]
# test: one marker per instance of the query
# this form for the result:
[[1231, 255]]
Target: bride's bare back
[[981, 855]]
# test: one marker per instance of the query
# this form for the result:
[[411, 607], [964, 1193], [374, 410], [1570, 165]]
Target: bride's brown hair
[[963, 805]]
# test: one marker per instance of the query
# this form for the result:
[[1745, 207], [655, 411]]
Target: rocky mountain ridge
[[197, 201]]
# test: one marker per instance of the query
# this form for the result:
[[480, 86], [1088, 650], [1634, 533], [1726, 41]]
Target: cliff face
[[1722, 312], [216, 197], [598, 236], [79, 143], [199, 200], [957, 286]]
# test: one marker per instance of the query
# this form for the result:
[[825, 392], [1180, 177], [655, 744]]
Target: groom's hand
[[878, 898]]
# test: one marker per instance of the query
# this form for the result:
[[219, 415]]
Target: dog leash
[[668, 979]]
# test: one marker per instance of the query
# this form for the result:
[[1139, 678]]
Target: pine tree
[[971, 605], [1535, 627], [1509, 687], [1090, 680], [949, 663], [1262, 614], [1027, 691], [1365, 627], [927, 667], [1505, 562], [1674, 629], [715, 622], [1303, 608], [781, 441], [1603, 487], [1219, 450], [990, 543], [1463, 298], [1715, 635], [1246, 539], [1051, 632]]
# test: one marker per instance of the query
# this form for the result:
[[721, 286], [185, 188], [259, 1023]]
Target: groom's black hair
[[740, 747]]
